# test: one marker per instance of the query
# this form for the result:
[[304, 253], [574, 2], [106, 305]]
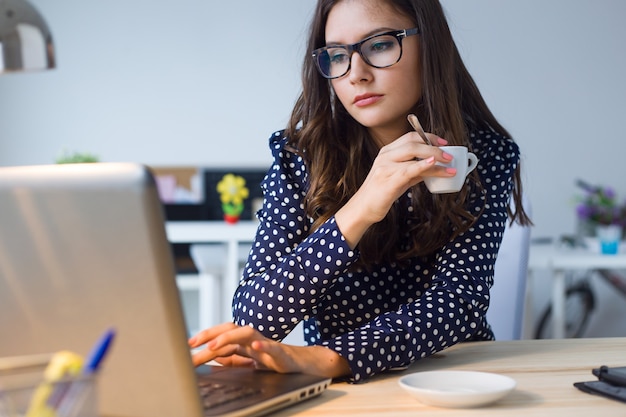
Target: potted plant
[[601, 214], [76, 157]]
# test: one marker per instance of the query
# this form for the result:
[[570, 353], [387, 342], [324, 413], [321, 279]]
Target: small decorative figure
[[233, 192]]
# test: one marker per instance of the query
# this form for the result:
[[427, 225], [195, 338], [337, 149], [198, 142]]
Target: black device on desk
[[82, 249], [611, 383]]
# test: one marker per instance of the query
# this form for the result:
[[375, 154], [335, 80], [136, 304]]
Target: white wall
[[554, 72], [206, 82], [159, 82]]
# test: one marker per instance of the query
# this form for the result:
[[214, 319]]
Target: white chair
[[508, 293], [215, 295]]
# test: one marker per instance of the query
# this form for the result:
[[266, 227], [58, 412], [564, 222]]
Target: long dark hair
[[339, 152]]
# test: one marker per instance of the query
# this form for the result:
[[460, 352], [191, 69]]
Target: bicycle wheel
[[579, 303]]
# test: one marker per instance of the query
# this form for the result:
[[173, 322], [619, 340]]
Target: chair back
[[508, 293]]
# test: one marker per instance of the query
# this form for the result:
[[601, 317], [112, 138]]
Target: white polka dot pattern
[[388, 317]]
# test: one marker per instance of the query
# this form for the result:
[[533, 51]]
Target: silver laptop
[[82, 249]]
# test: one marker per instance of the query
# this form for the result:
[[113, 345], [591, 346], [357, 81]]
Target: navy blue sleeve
[[288, 272]]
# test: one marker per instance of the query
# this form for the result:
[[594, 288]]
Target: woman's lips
[[366, 99]]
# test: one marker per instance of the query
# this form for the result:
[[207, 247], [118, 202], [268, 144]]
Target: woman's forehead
[[352, 20]]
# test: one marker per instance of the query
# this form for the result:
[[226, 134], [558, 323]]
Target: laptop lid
[[83, 249]]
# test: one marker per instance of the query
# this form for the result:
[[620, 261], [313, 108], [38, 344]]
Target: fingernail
[[430, 160], [451, 170], [447, 156], [442, 141], [192, 340]]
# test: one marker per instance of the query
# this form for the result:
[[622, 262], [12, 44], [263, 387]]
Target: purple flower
[[609, 193], [599, 205], [584, 211]]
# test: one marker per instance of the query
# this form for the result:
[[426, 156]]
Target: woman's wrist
[[320, 360], [352, 223]]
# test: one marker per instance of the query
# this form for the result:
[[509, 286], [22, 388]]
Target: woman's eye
[[381, 45], [338, 57]]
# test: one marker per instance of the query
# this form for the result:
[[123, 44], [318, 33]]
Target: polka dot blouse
[[388, 317]]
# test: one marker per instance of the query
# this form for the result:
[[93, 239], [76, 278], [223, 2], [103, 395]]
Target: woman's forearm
[[320, 360]]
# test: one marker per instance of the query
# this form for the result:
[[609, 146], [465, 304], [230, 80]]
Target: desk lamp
[[25, 40]]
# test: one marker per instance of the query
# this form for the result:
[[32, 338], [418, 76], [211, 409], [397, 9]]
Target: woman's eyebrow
[[365, 35]]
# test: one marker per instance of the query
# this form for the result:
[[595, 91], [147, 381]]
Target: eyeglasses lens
[[380, 52]]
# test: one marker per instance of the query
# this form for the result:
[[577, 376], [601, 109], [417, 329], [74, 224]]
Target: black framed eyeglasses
[[379, 51]]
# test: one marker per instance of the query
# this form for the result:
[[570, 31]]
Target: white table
[[558, 260], [213, 288]]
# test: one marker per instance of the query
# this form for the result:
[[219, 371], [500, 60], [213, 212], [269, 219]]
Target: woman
[[350, 240]]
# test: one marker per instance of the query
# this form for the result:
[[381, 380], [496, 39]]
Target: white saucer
[[457, 389]]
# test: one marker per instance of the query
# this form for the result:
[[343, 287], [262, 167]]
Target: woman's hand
[[399, 165], [232, 345]]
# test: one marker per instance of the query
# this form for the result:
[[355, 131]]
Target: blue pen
[[98, 352], [78, 389]]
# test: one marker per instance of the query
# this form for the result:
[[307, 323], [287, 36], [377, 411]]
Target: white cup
[[463, 161]]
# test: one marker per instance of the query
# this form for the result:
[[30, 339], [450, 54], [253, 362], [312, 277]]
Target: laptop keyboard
[[214, 394]]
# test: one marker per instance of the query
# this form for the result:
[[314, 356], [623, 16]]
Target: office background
[[197, 82]]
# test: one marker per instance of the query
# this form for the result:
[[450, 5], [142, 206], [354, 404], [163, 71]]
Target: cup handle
[[473, 162]]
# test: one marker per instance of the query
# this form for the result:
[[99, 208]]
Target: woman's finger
[[410, 147], [223, 341], [235, 335], [209, 334], [236, 360], [207, 354]]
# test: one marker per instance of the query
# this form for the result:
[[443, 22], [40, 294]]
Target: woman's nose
[[359, 70]]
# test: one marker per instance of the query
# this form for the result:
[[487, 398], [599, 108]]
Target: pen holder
[[24, 393]]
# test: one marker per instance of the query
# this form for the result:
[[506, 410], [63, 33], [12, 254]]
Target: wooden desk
[[544, 370], [559, 260]]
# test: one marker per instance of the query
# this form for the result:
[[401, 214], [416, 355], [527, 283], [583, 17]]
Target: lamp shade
[[25, 40]]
